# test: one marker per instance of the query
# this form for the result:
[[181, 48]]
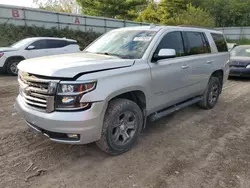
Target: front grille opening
[[34, 90], [60, 136], [35, 106]]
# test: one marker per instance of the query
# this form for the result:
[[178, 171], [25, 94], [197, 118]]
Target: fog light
[[75, 136]]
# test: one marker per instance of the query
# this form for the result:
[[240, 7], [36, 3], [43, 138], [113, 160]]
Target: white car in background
[[34, 47]]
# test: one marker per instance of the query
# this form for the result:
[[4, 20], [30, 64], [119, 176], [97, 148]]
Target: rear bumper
[[56, 125], [241, 72]]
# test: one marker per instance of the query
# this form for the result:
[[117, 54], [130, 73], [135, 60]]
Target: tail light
[[1, 54]]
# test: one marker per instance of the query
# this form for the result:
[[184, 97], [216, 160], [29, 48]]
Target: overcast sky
[[26, 3]]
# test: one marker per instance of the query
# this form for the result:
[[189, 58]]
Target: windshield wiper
[[111, 54]]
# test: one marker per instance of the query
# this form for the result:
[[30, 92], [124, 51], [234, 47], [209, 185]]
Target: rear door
[[55, 47], [220, 53], [200, 61], [71, 47], [62, 47]]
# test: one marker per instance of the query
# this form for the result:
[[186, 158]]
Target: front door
[[39, 50], [169, 76]]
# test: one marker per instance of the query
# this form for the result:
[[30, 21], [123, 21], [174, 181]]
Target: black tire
[[120, 114], [11, 66], [212, 93]]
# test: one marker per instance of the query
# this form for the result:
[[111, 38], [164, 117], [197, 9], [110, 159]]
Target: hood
[[239, 61], [7, 49], [69, 65]]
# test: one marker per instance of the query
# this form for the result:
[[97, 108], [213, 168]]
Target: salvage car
[[106, 93], [240, 61], [34, 47]]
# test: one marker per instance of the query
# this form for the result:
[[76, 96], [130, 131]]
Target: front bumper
[[2, 60], [239, 71], [87, 124]]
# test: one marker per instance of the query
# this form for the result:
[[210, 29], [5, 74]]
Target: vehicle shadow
[[4, 74], [240, 79]]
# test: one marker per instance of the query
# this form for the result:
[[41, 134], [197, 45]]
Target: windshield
[[21, 43], [241, 51], [128, 44]]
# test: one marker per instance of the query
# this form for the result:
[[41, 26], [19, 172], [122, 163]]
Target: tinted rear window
[[220, 42], [196, 43], [56, 43], [71, 42]]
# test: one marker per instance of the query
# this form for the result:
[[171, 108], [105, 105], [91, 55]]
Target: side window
[[172, 40], [220, 42], [40, 44], [56, 43], [206, 43], [195, 43], [70, 43]]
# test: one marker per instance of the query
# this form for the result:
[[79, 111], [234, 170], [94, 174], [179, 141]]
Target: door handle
[[185, 66], [209, 62]]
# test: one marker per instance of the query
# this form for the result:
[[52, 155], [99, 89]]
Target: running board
[[167, 111]]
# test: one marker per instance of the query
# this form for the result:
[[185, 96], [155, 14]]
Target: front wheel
[[121, 127], [12, 66], [212, 93]]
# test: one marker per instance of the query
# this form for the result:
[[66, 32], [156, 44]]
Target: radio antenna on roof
[[152, 25]]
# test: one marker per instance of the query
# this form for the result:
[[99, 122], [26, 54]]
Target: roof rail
[[194, 26]]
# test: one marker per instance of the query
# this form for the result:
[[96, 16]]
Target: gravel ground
[[192, 148]]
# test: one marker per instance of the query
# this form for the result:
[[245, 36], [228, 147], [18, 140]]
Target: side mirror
[[165, 53], [30, 47]]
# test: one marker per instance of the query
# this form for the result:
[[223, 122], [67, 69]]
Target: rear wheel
[[121, 127], [212, 93], [12, 66]]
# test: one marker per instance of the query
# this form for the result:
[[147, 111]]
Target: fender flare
[[12, 57]]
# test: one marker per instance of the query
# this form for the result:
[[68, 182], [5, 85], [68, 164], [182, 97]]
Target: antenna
[[152, 25]]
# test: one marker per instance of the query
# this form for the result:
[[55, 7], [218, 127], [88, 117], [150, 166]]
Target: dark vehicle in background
[[240, 61]]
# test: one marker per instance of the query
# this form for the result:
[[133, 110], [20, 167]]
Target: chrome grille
[[37, 91]]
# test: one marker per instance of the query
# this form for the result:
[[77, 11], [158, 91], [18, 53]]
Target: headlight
[[69, 95], [248, 66]]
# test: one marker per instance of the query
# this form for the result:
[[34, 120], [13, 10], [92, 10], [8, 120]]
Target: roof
[[245, 45], [55, 38], [158, 28]]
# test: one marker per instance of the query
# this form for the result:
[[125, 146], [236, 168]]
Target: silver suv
[[106, 93]]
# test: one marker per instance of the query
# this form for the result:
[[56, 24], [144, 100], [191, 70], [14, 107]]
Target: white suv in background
[[34, 47]]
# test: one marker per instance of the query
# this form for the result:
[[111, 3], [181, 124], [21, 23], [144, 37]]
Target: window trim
[[212, 33], [203, 38], [31, 44], [68, 43], [207, 43], [57, 40]]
